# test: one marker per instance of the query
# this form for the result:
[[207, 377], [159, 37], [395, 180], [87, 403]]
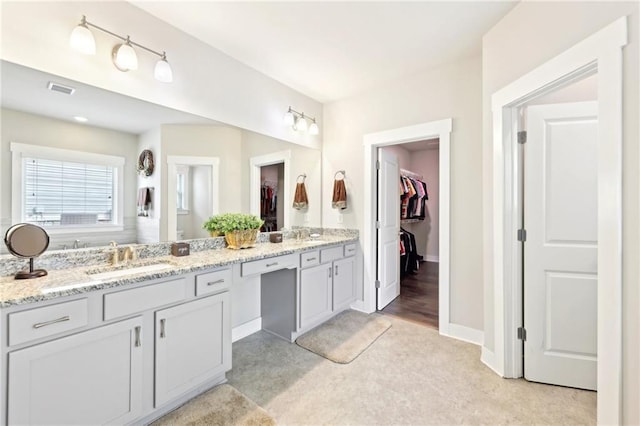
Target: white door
[[560, 253], [389, 228]]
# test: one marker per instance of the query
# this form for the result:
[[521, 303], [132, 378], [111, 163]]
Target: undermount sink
[[129, 270]]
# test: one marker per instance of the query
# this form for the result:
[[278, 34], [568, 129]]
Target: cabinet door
[[93, 377], [315, 294], [193, 345], [344, 290]]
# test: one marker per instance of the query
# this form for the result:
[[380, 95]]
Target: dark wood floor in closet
[[418, 300]]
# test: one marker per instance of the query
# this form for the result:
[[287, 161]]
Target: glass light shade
[[162, 71], [82, 40], [288, 119], [313, 129], [126, 58], [301, 124]]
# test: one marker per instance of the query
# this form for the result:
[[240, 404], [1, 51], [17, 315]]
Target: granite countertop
[[77, 280]]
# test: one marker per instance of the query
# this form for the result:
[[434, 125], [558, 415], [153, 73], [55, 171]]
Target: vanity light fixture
[[298, 121], [123, 54]]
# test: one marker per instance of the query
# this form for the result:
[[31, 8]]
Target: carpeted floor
[[344, 337], [409, 376]]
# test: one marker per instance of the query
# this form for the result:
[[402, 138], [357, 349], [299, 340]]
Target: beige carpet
[[410, 376], [221, 406], [344, 337]]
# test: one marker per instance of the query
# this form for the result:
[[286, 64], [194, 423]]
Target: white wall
[[206, 81], [531, 34], [17, 126], [450, 91]]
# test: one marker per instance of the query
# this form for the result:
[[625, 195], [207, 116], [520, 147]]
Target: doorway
[[426, 131], [258, 166], [271, 197], [600, 52], [419, 223]]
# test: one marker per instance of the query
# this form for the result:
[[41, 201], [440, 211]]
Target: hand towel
[[339, 195], [144, 197], [300, 200]]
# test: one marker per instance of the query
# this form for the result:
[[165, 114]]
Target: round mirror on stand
[[27, 241]]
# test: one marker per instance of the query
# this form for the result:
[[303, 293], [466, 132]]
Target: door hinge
[[377, 164], [522, 235], [522, 334], [377, 224], [522, 136], [377, 283]]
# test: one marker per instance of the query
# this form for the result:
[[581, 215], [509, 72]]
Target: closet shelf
[[411, 220]]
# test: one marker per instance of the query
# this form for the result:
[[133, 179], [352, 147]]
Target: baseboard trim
[[246, 329], [488, 358], [460, 332], [432, 258]]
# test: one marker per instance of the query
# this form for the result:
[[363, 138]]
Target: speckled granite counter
[[76, 280]]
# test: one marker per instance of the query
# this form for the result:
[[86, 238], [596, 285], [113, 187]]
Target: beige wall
[[303, 161], [453, 91], [44, 131], [532, 33]]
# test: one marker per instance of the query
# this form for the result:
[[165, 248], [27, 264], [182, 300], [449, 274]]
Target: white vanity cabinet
[[327, 288], [92, 377], [192, 345]]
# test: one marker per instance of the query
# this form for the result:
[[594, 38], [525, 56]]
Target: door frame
[[255, 163], [435, 129], [601, 51], [172, 162]]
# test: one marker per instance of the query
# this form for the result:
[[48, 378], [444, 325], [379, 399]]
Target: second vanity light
[[123, 55], [298, 121]]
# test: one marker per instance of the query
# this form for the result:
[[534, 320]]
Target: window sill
[[182, 212]]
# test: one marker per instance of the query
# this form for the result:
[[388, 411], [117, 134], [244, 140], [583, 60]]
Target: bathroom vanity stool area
[[79, 350]]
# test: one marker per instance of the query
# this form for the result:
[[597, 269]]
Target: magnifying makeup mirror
[[27, 241]]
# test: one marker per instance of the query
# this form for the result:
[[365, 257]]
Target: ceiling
[[332, 50], [25, 89]]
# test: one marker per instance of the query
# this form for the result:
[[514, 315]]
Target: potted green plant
[[240, 230]]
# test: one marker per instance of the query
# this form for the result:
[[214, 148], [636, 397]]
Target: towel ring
[[339, 172], [303, 176]]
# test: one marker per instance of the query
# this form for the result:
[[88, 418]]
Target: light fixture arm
[[126, 39], [301, 114]]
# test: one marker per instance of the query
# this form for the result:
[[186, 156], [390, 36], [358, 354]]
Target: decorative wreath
[[145, 163]]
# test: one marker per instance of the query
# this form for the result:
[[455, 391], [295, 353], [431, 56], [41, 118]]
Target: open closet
[[271, 199], [418, 182]]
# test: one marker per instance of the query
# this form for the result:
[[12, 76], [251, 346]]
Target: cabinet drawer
[[140, 299], [331, 254], [267, 265], [47, 320], [311, 258], [213, 282], [350, 250]]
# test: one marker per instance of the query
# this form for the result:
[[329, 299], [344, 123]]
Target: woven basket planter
[[241, 239]]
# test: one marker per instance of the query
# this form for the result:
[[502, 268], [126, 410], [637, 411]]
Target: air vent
[[57, 87]]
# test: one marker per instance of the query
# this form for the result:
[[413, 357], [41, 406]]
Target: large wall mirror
[[69, 163]]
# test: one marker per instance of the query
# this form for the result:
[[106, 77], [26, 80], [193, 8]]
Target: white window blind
[[67, 193]]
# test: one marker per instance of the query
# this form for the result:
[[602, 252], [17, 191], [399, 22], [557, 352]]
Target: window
[[64, 190], [182, 189]]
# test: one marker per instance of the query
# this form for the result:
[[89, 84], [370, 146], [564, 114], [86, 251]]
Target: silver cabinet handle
[[137, 331], [271, 264], [330, 272], [57, 320], [336, 270], [221, 280], [311, 259], [162, 332]]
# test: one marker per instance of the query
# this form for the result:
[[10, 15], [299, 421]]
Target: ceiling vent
[[57, 87]]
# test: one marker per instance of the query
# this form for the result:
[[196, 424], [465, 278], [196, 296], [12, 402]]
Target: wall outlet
[[306, 217], [340, 218]]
